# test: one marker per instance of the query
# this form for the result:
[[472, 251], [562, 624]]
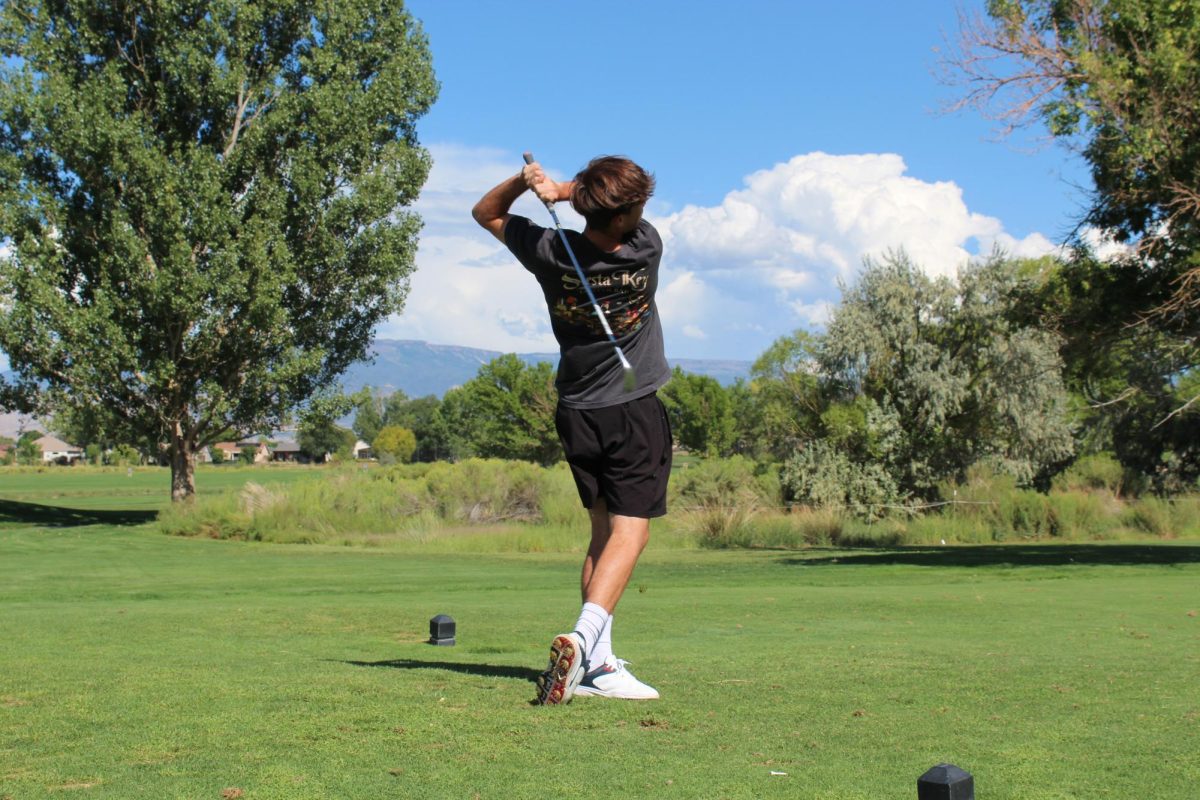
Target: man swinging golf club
[[599, 287]]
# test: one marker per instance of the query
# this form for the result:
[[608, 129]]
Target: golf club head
[[630, 375]]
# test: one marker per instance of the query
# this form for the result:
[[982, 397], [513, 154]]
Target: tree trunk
[[183, 468]]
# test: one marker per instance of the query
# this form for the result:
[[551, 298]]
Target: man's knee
[[635, 530]]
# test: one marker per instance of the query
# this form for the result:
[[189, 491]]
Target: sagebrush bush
[[734, 483], [823, 476], [1084, 514], [1164, 518], [486, 490], [720, 497]]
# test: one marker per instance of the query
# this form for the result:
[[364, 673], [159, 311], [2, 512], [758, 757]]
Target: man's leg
[[601, 531], [617, 542], [602, 451], [601, 591], [608, 567]]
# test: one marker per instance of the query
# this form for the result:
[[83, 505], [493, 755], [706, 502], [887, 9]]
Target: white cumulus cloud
[[468, 290], [796, 232], [768, 259]]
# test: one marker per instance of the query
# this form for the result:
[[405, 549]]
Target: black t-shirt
[[624, 282]]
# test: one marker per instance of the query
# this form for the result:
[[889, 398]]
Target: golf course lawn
[[138, 665]]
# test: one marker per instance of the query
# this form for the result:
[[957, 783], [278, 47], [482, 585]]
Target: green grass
[[138, 665], [130, 488]]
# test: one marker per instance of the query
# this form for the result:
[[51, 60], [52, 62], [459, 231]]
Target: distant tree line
[[915, 381]]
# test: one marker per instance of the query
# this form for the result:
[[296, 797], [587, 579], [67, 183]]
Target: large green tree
[[701, 412], [206, 204], [786, 394], [1131, 383], [1119, 80], [506, 411], [423, 416]]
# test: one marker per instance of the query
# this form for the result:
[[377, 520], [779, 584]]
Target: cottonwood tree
[[1130, 383], [786, 393], [368, 414], [701, 413], [205, 204], [506, 411], [1118, 80]]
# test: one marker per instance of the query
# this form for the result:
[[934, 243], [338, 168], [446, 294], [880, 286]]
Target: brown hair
[[608, 186]]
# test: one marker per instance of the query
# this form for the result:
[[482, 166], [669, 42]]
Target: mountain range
[[419, 368]]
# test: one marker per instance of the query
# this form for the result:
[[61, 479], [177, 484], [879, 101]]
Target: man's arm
[[492, 209]]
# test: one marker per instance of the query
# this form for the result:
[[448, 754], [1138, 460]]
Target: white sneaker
[[611, 679]]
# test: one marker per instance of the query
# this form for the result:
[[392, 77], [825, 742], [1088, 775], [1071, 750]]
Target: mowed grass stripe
[[139, 665], [113, 482]]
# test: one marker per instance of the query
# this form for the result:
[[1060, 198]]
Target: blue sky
[[789, 140]]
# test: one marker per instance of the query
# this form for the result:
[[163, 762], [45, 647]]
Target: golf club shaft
[[587, 287]]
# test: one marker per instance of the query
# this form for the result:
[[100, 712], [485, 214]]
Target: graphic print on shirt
[[622, 295]]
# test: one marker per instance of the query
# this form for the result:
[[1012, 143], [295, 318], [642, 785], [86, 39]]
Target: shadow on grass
[[12, 511], [483, 670], [1042, 555]]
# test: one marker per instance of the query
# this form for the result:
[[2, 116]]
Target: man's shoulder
[[521, 233], [649, 234], [516, 223]]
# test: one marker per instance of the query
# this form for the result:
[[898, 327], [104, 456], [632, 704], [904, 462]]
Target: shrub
[[1084, 514], [819, 527], [124, 455], [721, 496], [395, 442], [1154, 515], [1099, 471], [486, 490], [824, 477], [734, 482]]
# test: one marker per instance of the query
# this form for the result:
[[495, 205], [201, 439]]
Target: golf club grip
[[529, 160]]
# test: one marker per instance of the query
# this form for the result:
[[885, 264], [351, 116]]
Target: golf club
[[630, 377]]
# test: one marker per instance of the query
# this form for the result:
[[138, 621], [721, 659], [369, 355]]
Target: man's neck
[[602, 239]]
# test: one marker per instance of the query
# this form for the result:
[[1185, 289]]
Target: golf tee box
[[946, 782], [441, 631]]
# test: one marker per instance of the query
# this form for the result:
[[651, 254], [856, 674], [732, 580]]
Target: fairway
[[138, 665]]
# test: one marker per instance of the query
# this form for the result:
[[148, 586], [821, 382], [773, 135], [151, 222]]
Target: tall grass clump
[[1097, 472], [493, 505], [1166, 518], [719, 499], [412, 502]]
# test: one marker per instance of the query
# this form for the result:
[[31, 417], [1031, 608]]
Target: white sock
[[590, 625], [603, 647]]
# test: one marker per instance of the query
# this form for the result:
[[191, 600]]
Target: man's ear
[[616, 225]]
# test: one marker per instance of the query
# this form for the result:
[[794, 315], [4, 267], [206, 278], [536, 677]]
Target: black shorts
[[619, 453]]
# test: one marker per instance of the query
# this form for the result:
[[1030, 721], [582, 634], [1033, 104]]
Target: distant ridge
[[419, 368]]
